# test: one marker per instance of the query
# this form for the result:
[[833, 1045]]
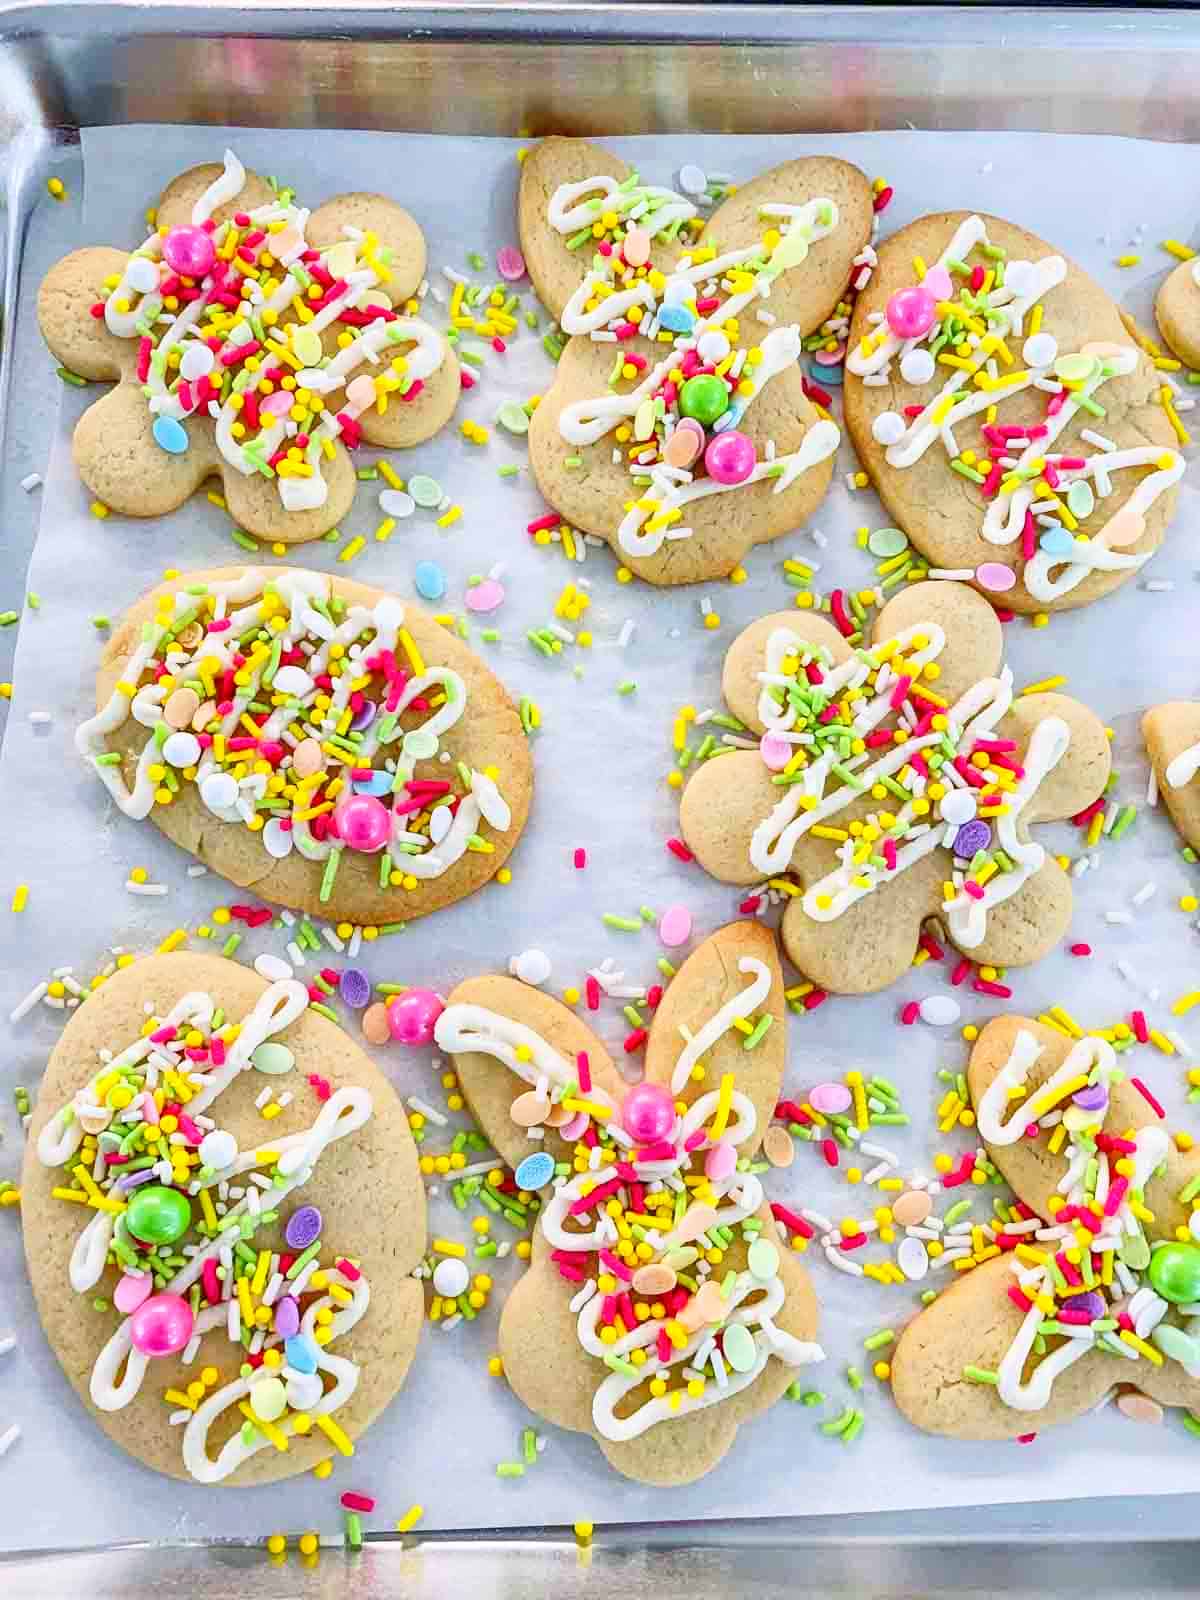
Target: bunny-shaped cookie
[[677, 426], [654, 1250], [1098, 1278]]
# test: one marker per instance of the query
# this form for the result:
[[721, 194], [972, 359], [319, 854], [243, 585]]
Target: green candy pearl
[[157, 1215], [704, 397], [1175, 1272]]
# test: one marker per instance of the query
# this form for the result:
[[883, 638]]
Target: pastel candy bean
[[675, 926], [654, 1279], [721, 1161]]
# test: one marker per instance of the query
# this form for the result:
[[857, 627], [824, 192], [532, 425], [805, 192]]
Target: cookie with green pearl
[[1114, 1270], [204, 1319], [895, 784], [1006, 416], [677, 427], [250, 341], [594, 1336]]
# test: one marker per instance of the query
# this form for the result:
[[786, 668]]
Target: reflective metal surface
[[601, 69]]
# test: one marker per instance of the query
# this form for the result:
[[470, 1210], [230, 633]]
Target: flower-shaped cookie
[[312, 738], [1008, 421], [252, 340], [895, 784], [268, 1261], [1172, 735], [1096, 1279], [677, 426], [660, 1310]]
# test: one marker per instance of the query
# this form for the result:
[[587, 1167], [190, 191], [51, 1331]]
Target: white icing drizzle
[[1183, 767], [818, 444], [1085, 1056], [464, 1028], [974, 716], [297, 590], [221, 190], [569, 211], [741, 1005]]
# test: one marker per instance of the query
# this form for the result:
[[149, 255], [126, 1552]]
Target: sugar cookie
[[593, 1336], [915, 805], [116, 1207], [237, 338]]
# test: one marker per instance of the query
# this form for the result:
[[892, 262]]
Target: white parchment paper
[[601, 762]]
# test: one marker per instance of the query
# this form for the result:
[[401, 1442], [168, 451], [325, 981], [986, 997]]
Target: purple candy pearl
[[303, 1227], [287, 1317], [1092, 1302], [1093, 1098], [354, 987], [972, 836], [365, 717]]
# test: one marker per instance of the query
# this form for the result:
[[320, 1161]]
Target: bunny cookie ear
[[396, 230], [1177, 312], [724, 1011], [582, 171], [504, 1037], [1172, 735], [1019, 1052], [831, 201]]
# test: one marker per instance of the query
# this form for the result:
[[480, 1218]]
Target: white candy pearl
[[692, 179], [958, 806], [1040, 349], [532, 966], [889, 427], [292, 680], [218, 1149], [141, 275], [218, 791], [304, 1389], [451, 1277], [196, 361], [181, 749], [939, 1010], [713, 346], [917, 366]]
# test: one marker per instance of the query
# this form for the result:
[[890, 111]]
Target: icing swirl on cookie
[[946, 782], [283, 705], [224, 312], [117, 1126], [719, 1332], [1181, 769]]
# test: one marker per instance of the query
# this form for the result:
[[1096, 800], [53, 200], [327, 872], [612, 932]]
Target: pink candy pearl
[[411, 1016], [648, 1113], [776, 752], [910, 312], [189, 250], [730, 457], [162, 1325], [721, 1161], [363, 823], [937, 281]]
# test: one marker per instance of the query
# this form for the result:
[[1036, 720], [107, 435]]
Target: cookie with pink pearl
[[316, 739], [659, 1341], [156, 1357], [1007, 416], [253, 341], [678, 427], [894, 785]]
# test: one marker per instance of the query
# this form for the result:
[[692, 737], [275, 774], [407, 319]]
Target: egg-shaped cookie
[[311, 738], [1008, 419], [229, 1293]]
